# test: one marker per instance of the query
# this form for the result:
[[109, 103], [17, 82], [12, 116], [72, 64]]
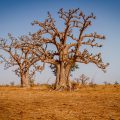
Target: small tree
[[106, 83], [83, 79], [116, 83], [14, 54]]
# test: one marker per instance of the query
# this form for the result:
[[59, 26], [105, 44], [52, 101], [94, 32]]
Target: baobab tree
[[65, 46], [14, 54]]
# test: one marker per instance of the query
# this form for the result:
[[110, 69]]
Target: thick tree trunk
[[25, 79], [68, 82], [57, 76], [62, 77]]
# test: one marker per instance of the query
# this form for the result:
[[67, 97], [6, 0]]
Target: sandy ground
[[38, 103]]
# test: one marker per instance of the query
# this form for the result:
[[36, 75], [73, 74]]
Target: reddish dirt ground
[[39, 103]]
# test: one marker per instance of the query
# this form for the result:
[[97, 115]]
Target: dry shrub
[[92, 84], [74, 85]]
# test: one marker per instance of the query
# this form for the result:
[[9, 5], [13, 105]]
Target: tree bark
[[68, 82], [62, 77], [57, 76], [25, 79]]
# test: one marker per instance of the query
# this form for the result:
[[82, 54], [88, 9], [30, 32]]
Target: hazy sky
[[16, 17]]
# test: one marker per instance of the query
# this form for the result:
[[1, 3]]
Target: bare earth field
[[39, 103]]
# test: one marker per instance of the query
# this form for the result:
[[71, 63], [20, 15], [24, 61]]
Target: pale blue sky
[[16, 17]]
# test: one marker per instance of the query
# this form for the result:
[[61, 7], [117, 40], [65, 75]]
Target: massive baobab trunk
[[25, 79], [62, 77], [57, 76]]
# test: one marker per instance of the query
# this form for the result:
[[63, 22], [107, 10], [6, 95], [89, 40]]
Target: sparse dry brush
[[83, 79], [37, 103]]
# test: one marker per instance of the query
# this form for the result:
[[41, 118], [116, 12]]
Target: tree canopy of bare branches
[[14, 54], [68, 43], [62, 49]]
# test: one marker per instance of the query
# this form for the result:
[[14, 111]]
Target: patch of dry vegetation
[[39, 103]]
